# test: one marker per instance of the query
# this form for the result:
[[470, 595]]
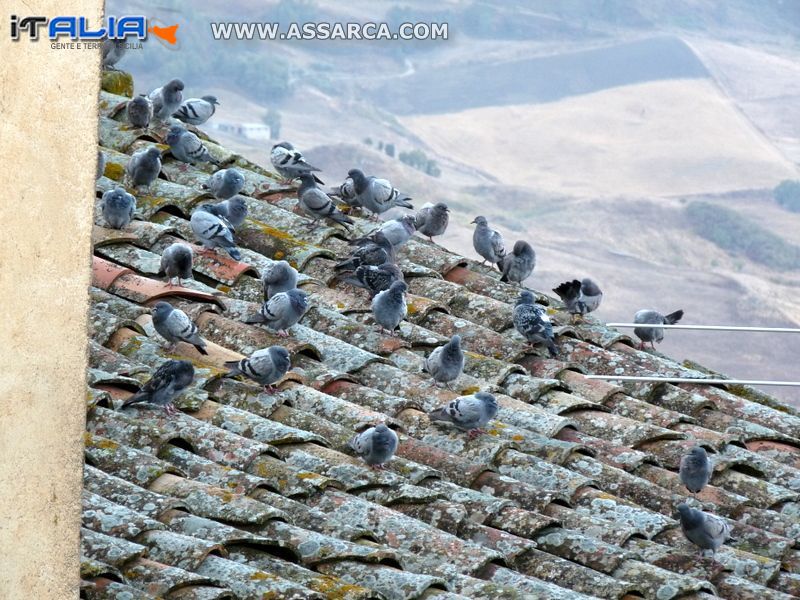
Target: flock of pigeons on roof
[[371, 266]]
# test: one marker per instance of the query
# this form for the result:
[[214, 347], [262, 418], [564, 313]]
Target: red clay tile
[[104, 272]]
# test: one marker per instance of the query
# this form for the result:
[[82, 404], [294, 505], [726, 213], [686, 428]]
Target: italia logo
[[129, 28]]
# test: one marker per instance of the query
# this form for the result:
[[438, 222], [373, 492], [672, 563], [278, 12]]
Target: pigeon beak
[[472, 222]]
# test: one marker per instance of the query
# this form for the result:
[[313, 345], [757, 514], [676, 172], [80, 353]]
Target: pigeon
[[518, 265], [101, 165], [144, 166], [317, 204], [397, 231], [377, 195], [432, 219], [579, 297], [197, 111], [118, 207], [487, 242], [533, 323], [213, 231], [375, 252], [233, 210], [706, 531], [289, 163], [112, 52], [373, 279], [446, 363], [265, 366], [187, 147], [140, 111], [653, 334], [279, 276], [346, 192], [176, 262], [225, 183], [389, 306], [468, 413], [169, 380], [167, 99], [175, 326], [375, 445], [281, 311], [695, 470]]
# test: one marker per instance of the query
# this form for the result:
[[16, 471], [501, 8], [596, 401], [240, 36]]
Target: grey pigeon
[[166, 384], [197, 111], [265, 366], [446, 363], [118, 207], [225, 183], [653, 334], [468, 413], [144, 166], [101, 165], [175, 326], [373, 279], [346, 192], [167, 99], [317, 204], [377, 195], [399, 231], [289, 163], [518, 265], [389, 306], [187, 147], [112, 52], [279, 276], [695, 470], [374, 252], [533, 323], [432, 219], [281, 311], [579, 297], [140, 111], [213, 231], [233, 210], [375, 445], [487, 242], [706, 531], [176, 262]]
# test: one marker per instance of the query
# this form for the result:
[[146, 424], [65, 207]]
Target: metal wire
[[708, 381], [708, 327]]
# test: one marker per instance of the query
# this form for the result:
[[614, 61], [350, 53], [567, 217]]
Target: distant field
[[657, 138]]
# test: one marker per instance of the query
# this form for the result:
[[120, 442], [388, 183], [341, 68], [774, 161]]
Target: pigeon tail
[[200, 349], [569, 290], [673, 318], [234, 253], [440, 414], [551, 348], [256, 318]]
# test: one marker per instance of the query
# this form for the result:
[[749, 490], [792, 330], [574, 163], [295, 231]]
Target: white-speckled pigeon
[[695, 469], [432, 219], [166, 99], [468, 413], [376, 252], [377, 195], [281, 311], [317, 204], [579, 297], [196, 111], [213, 231], [653, 334], [225, 183], [446, 363], [187, 147], [278, 276], [389, 306], [533, 322], [166, 384], [140, 111], [375, 445], [290, 163], [519, 264], [487, 242], [706, 531], [176, 262], [175, 326], [144, 166], [265, 366], [118, 207], [373, 279]]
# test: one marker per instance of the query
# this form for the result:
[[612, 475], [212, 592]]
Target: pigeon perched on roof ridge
[[265, 366], [317, 204], [139, 111], [376, 251], [652, 317], [398, 231], [225, 183], [517, 265], [432, 219], [487, 242], [377, 195], [233, 210], [166, 99], [196, 111], [579, 297], [468, 413], [282, 311], [446, 363], [278, 276], [376, 445], [290, 163], [169, 381], [213, 231], [176, 262], [175, 326], [118, 207], [532, 321], [371, 278], [144, 167], [389, 307], [706, 531], [187, 147], [695, 469]]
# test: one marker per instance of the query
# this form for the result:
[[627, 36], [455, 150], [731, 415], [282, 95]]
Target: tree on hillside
[[273, 121], [787, 194]]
